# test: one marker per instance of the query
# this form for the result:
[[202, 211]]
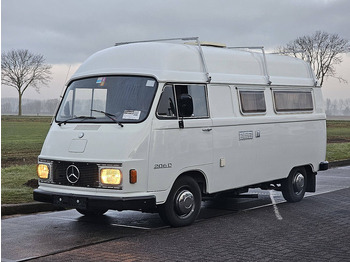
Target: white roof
[[170, 62]]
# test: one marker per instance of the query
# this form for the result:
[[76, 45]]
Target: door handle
[[207, 129]]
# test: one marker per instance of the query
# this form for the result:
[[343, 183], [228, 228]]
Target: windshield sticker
[[101, 81], [150, 83], [132, 114]]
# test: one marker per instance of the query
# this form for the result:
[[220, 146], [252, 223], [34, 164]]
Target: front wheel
[[183, 203], [294, 186]]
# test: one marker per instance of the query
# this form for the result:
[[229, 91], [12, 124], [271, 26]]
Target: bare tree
[[21, 69], [322, 50]]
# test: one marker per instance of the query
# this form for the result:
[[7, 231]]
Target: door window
[[167, 106], [174, 96]]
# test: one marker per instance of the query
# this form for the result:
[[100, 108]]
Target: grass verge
[[338, 151], [13, 178], [338, 140]]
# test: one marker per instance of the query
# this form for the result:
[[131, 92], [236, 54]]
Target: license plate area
[[70, 201]]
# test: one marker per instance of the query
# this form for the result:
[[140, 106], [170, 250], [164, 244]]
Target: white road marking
[[275, 208], [128, 226]]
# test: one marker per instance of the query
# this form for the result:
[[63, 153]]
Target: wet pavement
[[243, 229]]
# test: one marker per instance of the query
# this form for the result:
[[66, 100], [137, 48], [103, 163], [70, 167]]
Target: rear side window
[[252, 102], [291, 101]]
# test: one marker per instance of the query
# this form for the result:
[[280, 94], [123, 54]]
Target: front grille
[[88, 174]]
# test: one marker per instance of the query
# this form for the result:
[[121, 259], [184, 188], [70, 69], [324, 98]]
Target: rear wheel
[[183, 204], [92, 212], [294, 186]]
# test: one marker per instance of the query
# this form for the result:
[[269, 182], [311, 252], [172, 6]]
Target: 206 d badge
[[72, 174]]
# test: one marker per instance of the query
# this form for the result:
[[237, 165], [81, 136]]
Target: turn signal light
[[43, 171], [133, 176], [111, 176]]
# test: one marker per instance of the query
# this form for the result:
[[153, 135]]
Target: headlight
[[110, 176], [43, 171]]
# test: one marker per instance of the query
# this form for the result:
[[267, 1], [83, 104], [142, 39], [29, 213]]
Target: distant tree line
[[338, 107], [9, 106]]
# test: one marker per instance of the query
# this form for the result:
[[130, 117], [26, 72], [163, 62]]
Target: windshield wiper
[[109, 115], [73, 118]]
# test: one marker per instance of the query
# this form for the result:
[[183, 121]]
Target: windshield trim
[[110, 121]]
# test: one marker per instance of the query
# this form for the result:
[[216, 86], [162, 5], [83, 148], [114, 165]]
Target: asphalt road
[[244, 229]]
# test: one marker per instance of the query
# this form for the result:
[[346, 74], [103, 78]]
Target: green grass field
[[22, 139], [338, 140], [338, 131]]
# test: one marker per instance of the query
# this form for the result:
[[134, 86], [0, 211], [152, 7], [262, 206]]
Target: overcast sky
[[66, 32]]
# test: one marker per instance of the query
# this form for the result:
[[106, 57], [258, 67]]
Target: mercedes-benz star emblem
[[72, 174]]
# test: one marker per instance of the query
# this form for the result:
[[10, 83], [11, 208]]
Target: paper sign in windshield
[[132, 114], [150, 83]]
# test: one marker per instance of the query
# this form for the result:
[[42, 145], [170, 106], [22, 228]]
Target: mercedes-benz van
[[155, 126]]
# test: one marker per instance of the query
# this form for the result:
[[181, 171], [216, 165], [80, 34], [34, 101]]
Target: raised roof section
[[172, 62]]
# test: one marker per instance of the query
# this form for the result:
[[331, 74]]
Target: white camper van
[[156, 125]]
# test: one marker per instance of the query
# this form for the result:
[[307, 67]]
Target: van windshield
[[112, 99]]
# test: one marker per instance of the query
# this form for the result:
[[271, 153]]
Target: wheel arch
[[198, 176], [310, 178], [184, 199]]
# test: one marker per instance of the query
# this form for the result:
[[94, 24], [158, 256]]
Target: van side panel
[[260, 148]]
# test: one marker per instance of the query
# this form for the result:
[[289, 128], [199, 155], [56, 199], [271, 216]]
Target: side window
[[199, 98], [167, 106], [174, 96], [289, 101], [252, 101]]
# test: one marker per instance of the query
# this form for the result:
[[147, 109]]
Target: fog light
[[43, 171], [110, 176]]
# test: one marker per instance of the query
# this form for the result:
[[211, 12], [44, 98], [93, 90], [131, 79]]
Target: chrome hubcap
[[298, 183], [184, 203]]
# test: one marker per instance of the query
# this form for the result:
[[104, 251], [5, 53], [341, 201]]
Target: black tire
[[183, 203], [294, 186], [92, 212]]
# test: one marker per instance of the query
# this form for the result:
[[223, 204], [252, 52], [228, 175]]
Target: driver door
[[182, 135]]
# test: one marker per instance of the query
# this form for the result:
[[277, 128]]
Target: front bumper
[[144, 203]]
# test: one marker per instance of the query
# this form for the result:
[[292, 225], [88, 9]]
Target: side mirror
[[185, 105]]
